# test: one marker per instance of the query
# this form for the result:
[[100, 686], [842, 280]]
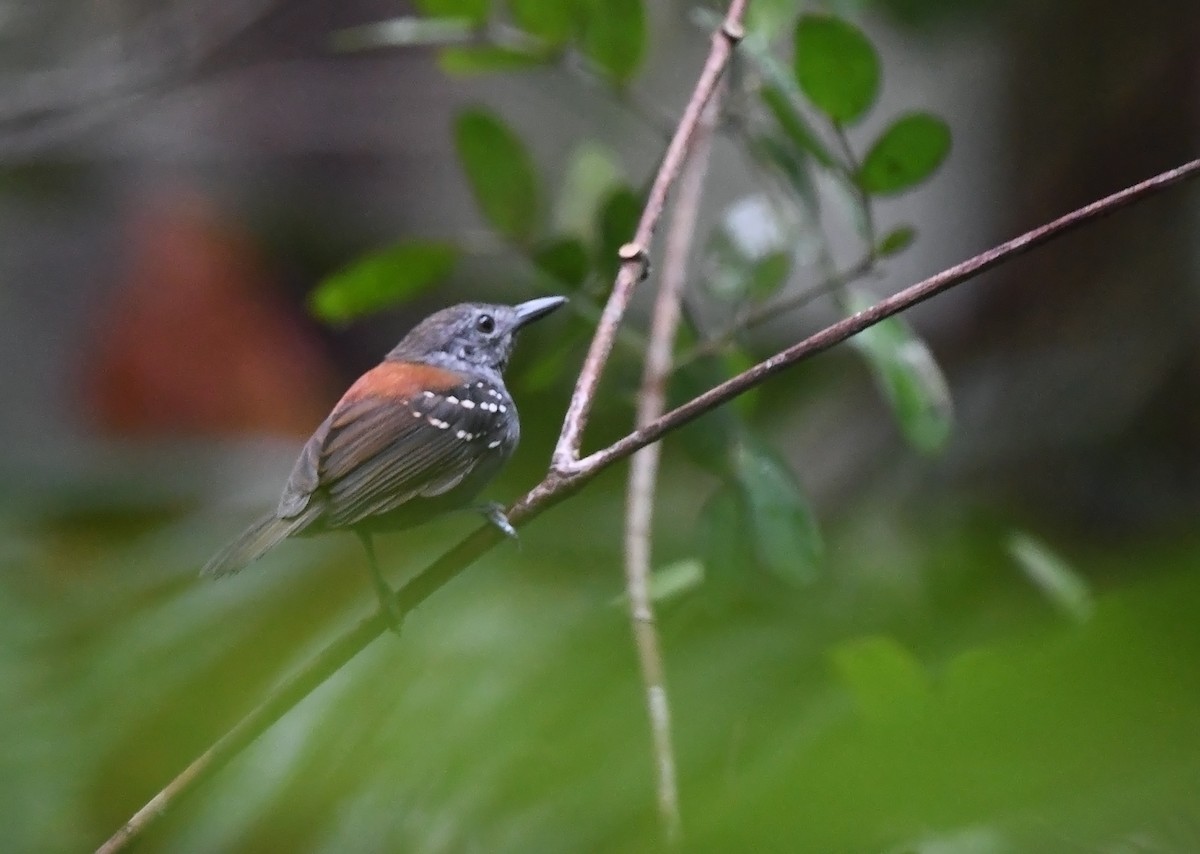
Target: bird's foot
[[387, 597], [493, 511], [392, 614]]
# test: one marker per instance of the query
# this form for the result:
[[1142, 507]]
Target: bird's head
[[471, 334]]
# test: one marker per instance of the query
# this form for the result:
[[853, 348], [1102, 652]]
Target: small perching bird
[[416, 436]]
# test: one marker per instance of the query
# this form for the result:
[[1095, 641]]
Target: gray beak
[[527, 312]]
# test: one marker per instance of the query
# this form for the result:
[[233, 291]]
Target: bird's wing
[[377, 451]]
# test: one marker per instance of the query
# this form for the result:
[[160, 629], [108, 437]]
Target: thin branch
[[557, 486], [635, 255], [905, 299], [643, 470]]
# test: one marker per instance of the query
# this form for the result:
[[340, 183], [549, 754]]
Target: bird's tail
[[254, 542]]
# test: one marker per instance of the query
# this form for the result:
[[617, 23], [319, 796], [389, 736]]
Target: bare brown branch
[[905, 299], [634, 254], [643, 470]]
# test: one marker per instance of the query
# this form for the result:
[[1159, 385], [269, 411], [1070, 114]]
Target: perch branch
[[559, 485]]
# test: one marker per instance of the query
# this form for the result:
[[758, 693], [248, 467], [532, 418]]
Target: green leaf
[[592, 173], [488, 59], [795, 127], [906, 154], [887, 681], [564, 259], [618, 221], [475, 11], [552, 21], [382, 279], [896, 241], [614, 36], [1062, 585], [786, 540], [908, 375], [836, 66], [500, 173]]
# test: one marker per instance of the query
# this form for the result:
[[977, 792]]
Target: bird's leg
[[493, 511], [387, 596]]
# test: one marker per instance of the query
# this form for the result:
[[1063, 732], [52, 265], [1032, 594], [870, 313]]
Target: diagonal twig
[[838, 332], [643, 469], [635, 255]]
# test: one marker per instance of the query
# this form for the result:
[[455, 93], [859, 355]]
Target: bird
[[418, 435]]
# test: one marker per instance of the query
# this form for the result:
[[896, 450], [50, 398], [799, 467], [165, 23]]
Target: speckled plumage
[[418, 435]]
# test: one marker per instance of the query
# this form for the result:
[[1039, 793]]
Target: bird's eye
[[486, 324]]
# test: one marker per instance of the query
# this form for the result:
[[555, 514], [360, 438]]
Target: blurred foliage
[[500, 173], [614, 36], [921, 697]]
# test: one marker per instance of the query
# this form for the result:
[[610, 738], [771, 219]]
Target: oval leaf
[[614, 36], [381, 280], [787, 542], [896, 240], [908, 152], [552, 21], [500, 173], [836, 66], [908, 375]]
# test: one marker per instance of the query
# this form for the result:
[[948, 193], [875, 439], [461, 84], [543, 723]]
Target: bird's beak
[[527, 312]]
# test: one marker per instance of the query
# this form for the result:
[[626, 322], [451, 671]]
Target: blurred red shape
[[197, 338]]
